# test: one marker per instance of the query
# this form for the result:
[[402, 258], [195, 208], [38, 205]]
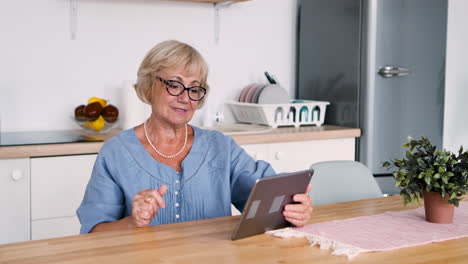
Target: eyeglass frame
[[165, 82]]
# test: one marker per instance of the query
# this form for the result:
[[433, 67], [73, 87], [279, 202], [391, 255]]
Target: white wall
[[456, 82], [44, 74]]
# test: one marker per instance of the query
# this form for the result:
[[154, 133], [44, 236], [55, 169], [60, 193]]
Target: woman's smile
[[179, 110]]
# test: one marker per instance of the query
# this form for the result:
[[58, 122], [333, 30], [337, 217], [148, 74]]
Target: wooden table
[[208, 241]]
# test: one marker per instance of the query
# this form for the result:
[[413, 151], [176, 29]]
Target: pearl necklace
[[157, 151]]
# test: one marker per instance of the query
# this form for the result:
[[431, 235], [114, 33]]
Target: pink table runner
[[386, 231]]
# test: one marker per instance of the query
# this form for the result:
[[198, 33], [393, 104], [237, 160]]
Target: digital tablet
[[264, 208]]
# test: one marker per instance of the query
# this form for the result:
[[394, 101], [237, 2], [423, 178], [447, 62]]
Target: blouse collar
[[190, 164]]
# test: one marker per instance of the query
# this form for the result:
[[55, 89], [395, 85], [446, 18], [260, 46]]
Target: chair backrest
[[342, 180]]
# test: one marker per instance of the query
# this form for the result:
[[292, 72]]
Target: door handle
[[392, 71], [16, 175], [279, 155]]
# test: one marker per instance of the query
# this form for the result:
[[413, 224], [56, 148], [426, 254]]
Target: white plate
[[274, 94]]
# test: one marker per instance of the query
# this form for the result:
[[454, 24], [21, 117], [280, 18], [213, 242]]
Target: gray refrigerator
[[381, 65]]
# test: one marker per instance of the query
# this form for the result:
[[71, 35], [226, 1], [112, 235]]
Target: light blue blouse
[[215, 173]]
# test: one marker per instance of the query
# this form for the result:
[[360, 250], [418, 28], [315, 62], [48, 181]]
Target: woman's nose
[[183, 98]]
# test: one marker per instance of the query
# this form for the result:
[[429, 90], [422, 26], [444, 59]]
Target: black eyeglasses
[[175, 88]]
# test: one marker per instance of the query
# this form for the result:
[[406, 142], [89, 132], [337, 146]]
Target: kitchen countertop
[[288, 134], [284, 134]]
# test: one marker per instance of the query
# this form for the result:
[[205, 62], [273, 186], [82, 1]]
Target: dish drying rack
[[301, 112]]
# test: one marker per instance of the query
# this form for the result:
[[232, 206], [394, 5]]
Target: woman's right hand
[[145, 205]]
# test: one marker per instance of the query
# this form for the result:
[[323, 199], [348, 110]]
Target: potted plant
[[438, 177]]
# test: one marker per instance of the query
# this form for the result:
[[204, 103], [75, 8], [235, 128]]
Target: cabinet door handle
[[279, 155], [16, 175]]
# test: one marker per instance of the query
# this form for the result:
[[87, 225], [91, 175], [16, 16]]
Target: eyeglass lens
[[176, 88]]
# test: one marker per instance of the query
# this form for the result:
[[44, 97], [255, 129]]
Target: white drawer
[[55, 227], [58, 185], [299, 155]]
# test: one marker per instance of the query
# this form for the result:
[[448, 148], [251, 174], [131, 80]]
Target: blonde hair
[[165, 55]]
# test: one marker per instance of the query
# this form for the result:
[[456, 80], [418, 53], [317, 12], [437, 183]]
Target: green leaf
[[406, 199], [427, 179], [436, 176], [454, 195], [408, 154], [428, 188], [445, 179], [421, 175], [446, 158], [421, 163]]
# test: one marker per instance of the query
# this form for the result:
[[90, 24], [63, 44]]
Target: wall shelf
[[218, 4]]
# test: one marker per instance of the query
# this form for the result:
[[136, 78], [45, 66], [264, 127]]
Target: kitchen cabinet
[[55, 227], [57, 188], [39, 195], [14, 200], [299, 155]]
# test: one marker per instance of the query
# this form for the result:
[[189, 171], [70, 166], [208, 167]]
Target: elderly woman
[[166, 171]]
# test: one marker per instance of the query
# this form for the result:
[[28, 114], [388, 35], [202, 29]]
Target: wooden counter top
[[208, 241], [287, 134], [26, 151], [284, 134]]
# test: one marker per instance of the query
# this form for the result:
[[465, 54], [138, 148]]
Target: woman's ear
[[150, 93]]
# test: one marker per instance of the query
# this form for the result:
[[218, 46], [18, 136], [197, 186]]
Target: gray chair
[[342, 180]]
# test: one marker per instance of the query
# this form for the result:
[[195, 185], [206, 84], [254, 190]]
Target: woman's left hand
[[299, 214]]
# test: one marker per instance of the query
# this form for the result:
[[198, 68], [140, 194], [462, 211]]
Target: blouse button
[[176, 192], [176, 204], [177, 181]]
